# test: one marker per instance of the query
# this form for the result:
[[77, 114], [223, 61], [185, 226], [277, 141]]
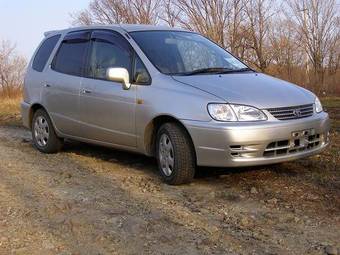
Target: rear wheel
[[43, 133], [175, 154]]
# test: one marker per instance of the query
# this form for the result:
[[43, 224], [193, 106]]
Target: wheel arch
[[150, 132], [32, 110]]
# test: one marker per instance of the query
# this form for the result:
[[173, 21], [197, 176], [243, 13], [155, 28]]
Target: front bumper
[[223, 144]]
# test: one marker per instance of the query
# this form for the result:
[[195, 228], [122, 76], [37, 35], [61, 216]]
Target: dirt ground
[[94, 200]]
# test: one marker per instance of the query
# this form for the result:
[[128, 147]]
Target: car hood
[[256, 89]]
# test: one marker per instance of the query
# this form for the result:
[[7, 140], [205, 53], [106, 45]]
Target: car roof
[[141, 27], [126, 27]]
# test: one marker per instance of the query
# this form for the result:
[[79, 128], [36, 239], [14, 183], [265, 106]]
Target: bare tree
[[171, 12], [209, 17], [286, 47], [316, 21], [334, 54], [259, 13], [12, 68], [145, 11], [119, 11], [220, 20], [236, 29]]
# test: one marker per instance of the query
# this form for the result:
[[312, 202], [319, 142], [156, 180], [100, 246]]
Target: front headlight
[[318, 105], [233, 112], [221, 112]]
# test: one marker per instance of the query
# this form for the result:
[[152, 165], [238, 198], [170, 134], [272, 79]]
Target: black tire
[[184, 159], [51, 143]]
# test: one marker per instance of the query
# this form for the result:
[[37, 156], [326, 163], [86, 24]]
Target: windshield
[[181, 53]]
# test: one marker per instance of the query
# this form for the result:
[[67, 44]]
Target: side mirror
[[119, 74]]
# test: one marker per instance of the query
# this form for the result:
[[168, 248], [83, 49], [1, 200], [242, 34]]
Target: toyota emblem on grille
[[297, 112]]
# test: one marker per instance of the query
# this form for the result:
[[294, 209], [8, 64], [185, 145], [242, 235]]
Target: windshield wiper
[[246, 69], [216, 70]]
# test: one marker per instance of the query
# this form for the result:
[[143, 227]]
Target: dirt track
[[92, 200]]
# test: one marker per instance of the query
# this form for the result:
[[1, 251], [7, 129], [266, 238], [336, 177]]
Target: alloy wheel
[[41, 131], [166, 155]]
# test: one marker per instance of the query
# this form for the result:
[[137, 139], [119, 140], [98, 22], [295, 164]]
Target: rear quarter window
[[44, 53]]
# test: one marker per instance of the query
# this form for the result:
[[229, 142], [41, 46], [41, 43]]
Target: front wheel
[[43, 134], [175, 154]]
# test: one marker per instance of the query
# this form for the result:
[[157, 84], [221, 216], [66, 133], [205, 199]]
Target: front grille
[[293, 112], [285, 147]]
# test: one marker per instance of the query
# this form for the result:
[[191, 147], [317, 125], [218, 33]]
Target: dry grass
[[332, 106], [331, 102], [10, 111]]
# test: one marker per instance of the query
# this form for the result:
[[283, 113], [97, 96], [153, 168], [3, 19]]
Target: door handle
[[47, 85], [86, 91]]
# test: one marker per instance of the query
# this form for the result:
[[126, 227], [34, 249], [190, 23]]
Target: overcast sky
[[24, 21]]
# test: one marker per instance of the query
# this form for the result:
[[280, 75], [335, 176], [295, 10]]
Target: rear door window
[[71, 56], [44, 53]]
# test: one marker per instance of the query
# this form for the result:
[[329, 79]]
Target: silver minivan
[[168, 93]]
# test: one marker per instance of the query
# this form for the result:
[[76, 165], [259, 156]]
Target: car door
[[63, 82], [107, 110]]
